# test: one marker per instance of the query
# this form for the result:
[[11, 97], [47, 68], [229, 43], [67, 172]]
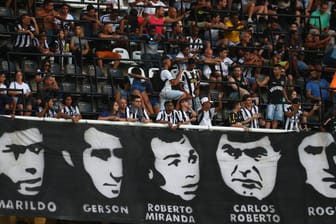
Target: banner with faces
[[156, 175]]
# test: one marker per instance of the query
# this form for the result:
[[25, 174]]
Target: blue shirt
[[313, 86]]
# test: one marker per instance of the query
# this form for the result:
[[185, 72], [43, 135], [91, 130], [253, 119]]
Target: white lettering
[[105, 209]]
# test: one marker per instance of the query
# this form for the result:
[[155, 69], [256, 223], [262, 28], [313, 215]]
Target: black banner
[[141, 174]]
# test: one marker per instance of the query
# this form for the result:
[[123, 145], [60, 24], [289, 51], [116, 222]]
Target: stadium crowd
[[247, 64], [234, 63]]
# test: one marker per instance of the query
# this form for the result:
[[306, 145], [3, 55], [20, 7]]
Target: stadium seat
[[29, 66], [85, 107], [152, 71], [136, 55], [129, 73], [124, 55], [68, 87]]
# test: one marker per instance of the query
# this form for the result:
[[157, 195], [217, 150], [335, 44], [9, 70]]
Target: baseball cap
[[204, 100]]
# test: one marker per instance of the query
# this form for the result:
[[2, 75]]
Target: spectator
[[176, 39], [136, 112], [123, 109], [190, 83], [234, 26], [313, 44], [158, 20], [3, 85], [240, 85], [236, 118], [79, 45], [225, 65], [254, 7], [130, 25], [46, 14], [251, 114], [48, 109], [169, 116], [295, 115], [329, 123], [139, 88], [186, 112], [50, 89], [209, 69], [199, 11], [112, 115], [150, 46], [22, 94], [287, 9], [277, 96], [91, 23], [183, 56], [6, 102], [207, 113], [61, 47], [64, 20], [317, 88], [214, 29], [44, 49], [26, 41], [123, 89], [104, 46], [69, 110], [168, 93], [113, 18], [195, 41], [321, 22], [41, 73]]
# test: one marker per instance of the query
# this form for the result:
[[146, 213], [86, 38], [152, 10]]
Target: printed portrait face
[[317, 154], [178, 163], [103, 162], [22, 159], [248, 168]]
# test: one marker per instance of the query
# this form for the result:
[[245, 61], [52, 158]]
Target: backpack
[[157, 82], [200, 115]]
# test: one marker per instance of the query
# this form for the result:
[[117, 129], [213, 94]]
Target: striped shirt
[[247, 114], [49, 113], [24, 39], [138, 113], [185, 116], [195, 44], [190, 80], [293, 122], [172, 117], [71, 110]]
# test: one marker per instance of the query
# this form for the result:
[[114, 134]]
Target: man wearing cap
[[207, 113], [294, 115]]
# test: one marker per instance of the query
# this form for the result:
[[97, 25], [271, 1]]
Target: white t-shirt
[[166, 76], [224, 66], [24, 86], [207, 117]]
